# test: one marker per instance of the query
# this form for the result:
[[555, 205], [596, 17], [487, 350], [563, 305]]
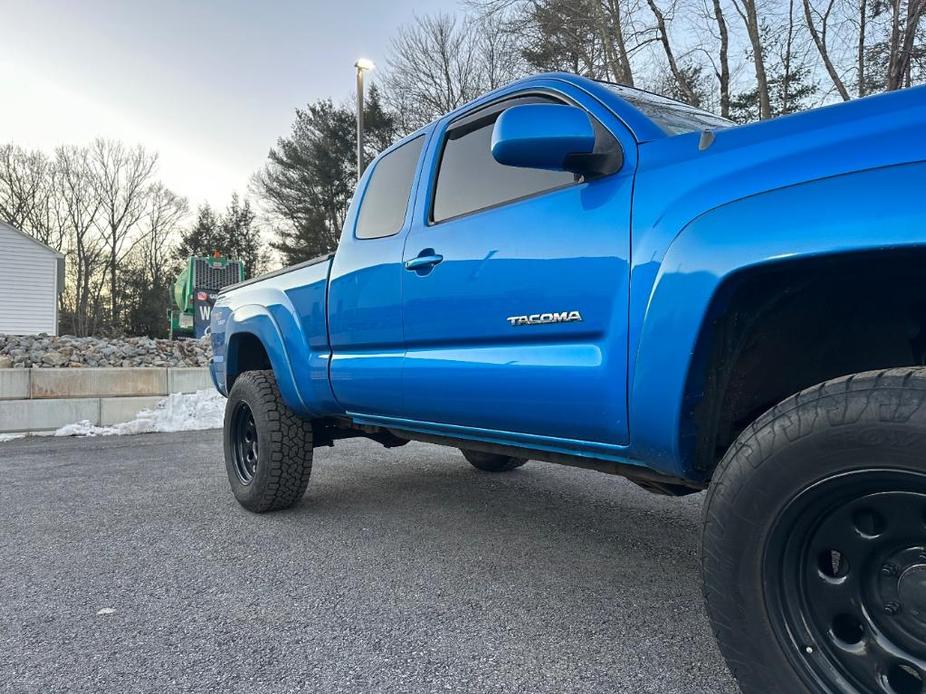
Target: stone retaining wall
[[67, 351], [33, 400]]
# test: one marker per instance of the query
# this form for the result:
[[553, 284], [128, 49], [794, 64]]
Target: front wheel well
[[772, 332]]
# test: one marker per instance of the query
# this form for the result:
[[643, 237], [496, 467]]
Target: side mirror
[[546, 136]]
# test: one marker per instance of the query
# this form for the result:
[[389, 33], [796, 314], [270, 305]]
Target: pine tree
[[203, 238], [309, 179], [242, 236], [235, 235], [698, 82], [790, 79], [379, 125]]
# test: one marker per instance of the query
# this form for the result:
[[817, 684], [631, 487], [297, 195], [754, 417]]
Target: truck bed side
[[277, 321]]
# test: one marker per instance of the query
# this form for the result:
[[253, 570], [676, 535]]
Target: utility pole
[[362, 66]]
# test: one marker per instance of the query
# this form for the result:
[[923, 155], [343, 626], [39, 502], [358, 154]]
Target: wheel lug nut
[[892, 608], [889, 569]]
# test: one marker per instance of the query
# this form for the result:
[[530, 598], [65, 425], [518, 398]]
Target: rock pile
[[24, 351]]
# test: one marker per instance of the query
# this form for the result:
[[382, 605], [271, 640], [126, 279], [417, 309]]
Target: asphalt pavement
[[127, 566]]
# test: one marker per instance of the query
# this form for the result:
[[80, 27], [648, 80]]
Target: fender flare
[[826, 217], [256, 320]]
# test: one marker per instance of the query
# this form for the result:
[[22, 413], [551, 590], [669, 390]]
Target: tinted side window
[[470, 179], [385, 200]]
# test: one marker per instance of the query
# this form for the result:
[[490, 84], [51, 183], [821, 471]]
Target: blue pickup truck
[[578, 272]]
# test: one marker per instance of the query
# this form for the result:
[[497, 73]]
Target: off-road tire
[[492, 462], [284, 445], [866, 424]]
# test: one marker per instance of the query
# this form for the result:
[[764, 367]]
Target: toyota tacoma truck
[[583, 273]]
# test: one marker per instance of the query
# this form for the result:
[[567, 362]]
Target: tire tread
[[886, 396], [289, 460]]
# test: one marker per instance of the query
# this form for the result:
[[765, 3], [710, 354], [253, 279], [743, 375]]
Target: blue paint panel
[[468, 365], [676, 183], [432, 351], [365, 315], [287, 314], [366, 325], [563, 250], [489, 386], [839, 215]]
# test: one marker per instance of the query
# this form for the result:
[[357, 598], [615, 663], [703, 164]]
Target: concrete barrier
[[116, 410], [188, 380], [34, 400], [43, 415], [15, 384], [105, 382]]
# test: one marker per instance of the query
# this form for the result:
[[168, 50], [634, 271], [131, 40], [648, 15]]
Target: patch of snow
[[204, 409], [105, 611]]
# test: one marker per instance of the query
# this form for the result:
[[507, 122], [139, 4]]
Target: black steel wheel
[[268, 447], [846, 572], [244, 438], [814, 541]]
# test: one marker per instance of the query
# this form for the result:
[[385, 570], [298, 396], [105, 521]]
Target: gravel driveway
[[401, 571]]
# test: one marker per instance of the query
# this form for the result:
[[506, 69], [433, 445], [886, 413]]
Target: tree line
[[126, 234], [123, 232], [743, 59]]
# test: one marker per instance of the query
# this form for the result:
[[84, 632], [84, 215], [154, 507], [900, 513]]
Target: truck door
[[365, 286], [516, 291]]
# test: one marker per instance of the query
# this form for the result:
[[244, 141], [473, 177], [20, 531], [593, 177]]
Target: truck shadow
[[428, 499], [550, 551]]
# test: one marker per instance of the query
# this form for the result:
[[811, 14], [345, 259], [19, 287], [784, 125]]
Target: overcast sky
[[210, 85]]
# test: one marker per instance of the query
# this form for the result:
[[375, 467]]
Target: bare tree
[[439, 62], [818, 33], [905, 22], [860, 49], [123, 181], [750, 16], [792, 69], [707, 24], [24, 184], [48, 222], [166, 210], [433, 67], [499, 56], [611, 22], [680, 77], [799, 53], [81, 206], [723, 71], [588, 37], [147, 272], [550, 34]]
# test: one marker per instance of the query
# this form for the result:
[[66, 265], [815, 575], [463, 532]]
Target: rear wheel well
[[774, 331], [245, 353]]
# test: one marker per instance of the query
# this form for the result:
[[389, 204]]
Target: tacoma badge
[[542, 318]]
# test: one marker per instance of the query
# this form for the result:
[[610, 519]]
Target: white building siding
[[28, 285]]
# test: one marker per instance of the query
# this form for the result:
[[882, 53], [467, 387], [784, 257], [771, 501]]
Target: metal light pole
[[362, 66]]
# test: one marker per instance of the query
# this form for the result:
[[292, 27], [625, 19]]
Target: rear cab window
[[385, 198]]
